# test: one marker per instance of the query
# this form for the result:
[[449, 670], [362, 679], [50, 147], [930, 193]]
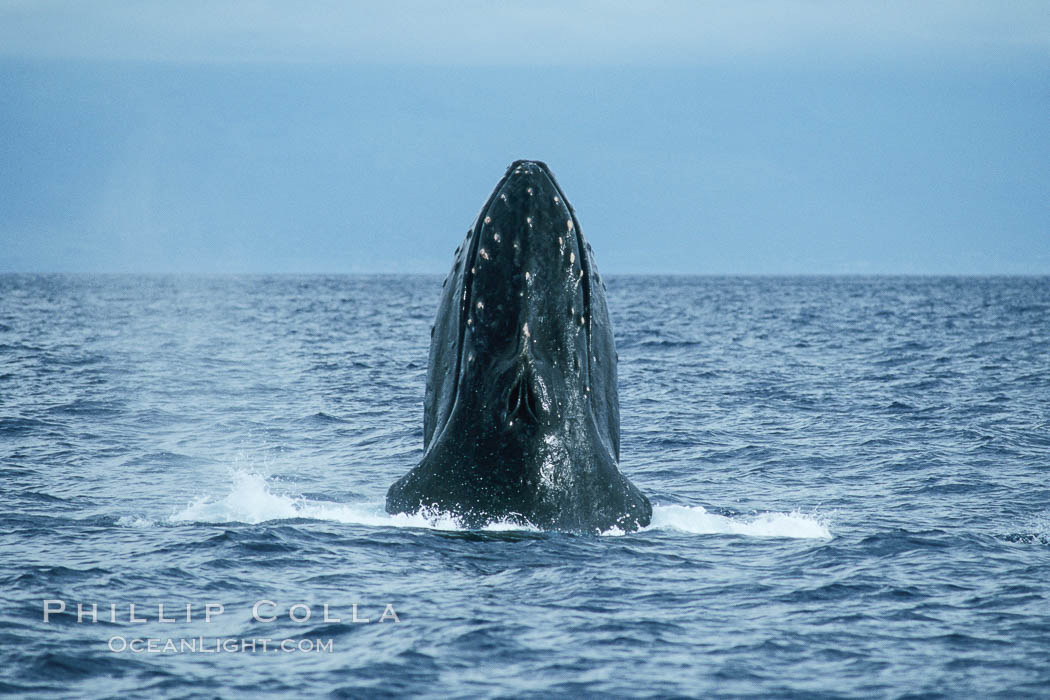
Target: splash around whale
[[521, 415]]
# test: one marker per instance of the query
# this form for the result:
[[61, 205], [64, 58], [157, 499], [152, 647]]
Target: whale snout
[[530, 185], [528, 166]]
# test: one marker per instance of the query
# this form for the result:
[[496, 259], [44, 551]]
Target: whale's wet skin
[[522, 417]]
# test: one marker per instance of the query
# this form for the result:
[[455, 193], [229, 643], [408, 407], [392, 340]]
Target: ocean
[[849, 478]]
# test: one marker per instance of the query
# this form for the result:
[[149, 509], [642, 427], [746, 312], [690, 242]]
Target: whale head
[[525, 306], [521, 414]]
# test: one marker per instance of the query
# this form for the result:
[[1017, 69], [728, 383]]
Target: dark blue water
[[850, 479]]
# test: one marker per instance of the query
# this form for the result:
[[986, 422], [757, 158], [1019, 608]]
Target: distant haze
[[765, 137]]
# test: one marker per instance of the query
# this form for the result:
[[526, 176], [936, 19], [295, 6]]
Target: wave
[[696, 520], [1033, 530], [251, 501]]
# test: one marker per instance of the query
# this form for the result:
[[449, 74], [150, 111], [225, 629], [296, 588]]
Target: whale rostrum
[[521, 415]]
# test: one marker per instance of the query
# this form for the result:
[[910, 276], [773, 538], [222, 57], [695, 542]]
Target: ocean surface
[[850, 481]]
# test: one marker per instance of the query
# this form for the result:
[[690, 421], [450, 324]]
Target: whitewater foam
[[697, 521], [250, 500], [134, 521]]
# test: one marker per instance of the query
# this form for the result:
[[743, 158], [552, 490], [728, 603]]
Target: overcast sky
[[747, 137]]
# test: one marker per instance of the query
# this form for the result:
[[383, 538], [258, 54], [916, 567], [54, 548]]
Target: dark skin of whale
[[521, 415]]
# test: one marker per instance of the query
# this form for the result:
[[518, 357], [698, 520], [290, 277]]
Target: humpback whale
[[521, 414]]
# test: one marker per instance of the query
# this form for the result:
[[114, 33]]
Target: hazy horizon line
[[177, 273]]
